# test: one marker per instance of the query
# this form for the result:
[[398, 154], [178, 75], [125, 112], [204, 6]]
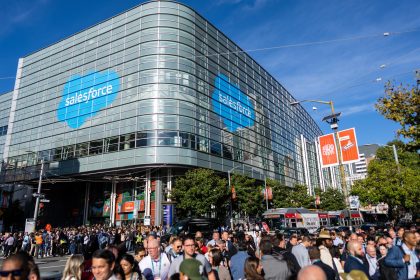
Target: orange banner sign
[[328, 150], [348, 145]]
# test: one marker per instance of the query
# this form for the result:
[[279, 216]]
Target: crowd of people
[[128, 253]]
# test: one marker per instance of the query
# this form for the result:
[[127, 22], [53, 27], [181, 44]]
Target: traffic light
[[41, 209]]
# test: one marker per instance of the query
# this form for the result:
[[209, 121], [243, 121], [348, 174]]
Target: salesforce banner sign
[[84, 96], [232, 105]]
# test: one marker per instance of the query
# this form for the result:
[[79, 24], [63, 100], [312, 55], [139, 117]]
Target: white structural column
[[306, 165], [318, 161], [113, 201], [169, 184], [158, 201], [147, 191]]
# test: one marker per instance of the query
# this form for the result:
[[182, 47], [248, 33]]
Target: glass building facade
[[157, 86]]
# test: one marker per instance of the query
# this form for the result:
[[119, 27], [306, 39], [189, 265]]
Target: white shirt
[[412, 267], [150, 268]]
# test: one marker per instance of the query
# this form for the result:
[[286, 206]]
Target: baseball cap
[[192, 268]]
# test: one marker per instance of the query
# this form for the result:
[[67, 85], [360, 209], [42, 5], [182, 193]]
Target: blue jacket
[[354, 264], [237, 263], [394, 259]]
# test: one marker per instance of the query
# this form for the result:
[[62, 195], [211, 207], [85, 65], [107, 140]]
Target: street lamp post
[[230, 195], [394, 150], [333, 121], [38, 194]]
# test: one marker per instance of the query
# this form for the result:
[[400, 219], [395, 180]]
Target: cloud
[[356, 109]]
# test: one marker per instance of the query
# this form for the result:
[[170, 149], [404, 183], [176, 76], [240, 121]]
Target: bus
[[281, 218]]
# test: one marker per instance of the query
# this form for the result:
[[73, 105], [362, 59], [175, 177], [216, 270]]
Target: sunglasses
[[16, 272], [178, 247]]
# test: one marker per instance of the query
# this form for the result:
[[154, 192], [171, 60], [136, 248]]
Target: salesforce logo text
[[234, 107], [84, 96]]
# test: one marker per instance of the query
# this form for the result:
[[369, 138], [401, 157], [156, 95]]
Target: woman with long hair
[[128, 267], [253, 269], [74, 268], [215, 259]]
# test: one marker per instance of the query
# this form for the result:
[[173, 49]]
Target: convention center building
[[112, 115]]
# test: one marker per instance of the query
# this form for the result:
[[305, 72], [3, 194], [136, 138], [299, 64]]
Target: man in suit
[[355, 259]]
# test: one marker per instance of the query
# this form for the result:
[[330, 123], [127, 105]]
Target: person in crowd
[[155, 264], [372, 262], [315, 256], [293, 241], [336, 239], [221, 245], [403, 258], [190, 269], [139, 254], [202, 249], [279, 249], [250, 245], [383, 251], [215, 258], [128, 268], [253, 269], [324, 243], [175, 250], [229, 245], [275, 267], [189, 253], [398, 239], [103, 264], [216, 237], [8, 244], [311, 272], [355, 258], [74, 267], [301, 253], [237, 261], [20, 266]]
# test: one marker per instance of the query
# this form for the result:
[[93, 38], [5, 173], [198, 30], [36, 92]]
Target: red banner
[[328, 150], [348, 145]]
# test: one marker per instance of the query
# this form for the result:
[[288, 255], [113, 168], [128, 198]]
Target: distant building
[[358, 170]]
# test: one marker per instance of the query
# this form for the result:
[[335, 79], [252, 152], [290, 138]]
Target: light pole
[[394, 150], [332, 120], [230, 195], [38, 194]]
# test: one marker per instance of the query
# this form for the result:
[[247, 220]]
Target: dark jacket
[[291, 260], [331, 275], [353, 263]]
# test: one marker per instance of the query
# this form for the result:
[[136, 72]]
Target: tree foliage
[[385, 182], [401, 104], [331, 199], [200, 192], [249, 199], [284, 196]]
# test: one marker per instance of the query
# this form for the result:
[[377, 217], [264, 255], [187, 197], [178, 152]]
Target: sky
[[317, 49]]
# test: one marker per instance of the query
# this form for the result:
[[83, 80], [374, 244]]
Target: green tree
[[249, 199], [405, 157], [296, 196], [401, 104], [200, 192], [399, 188], [331, 199]]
